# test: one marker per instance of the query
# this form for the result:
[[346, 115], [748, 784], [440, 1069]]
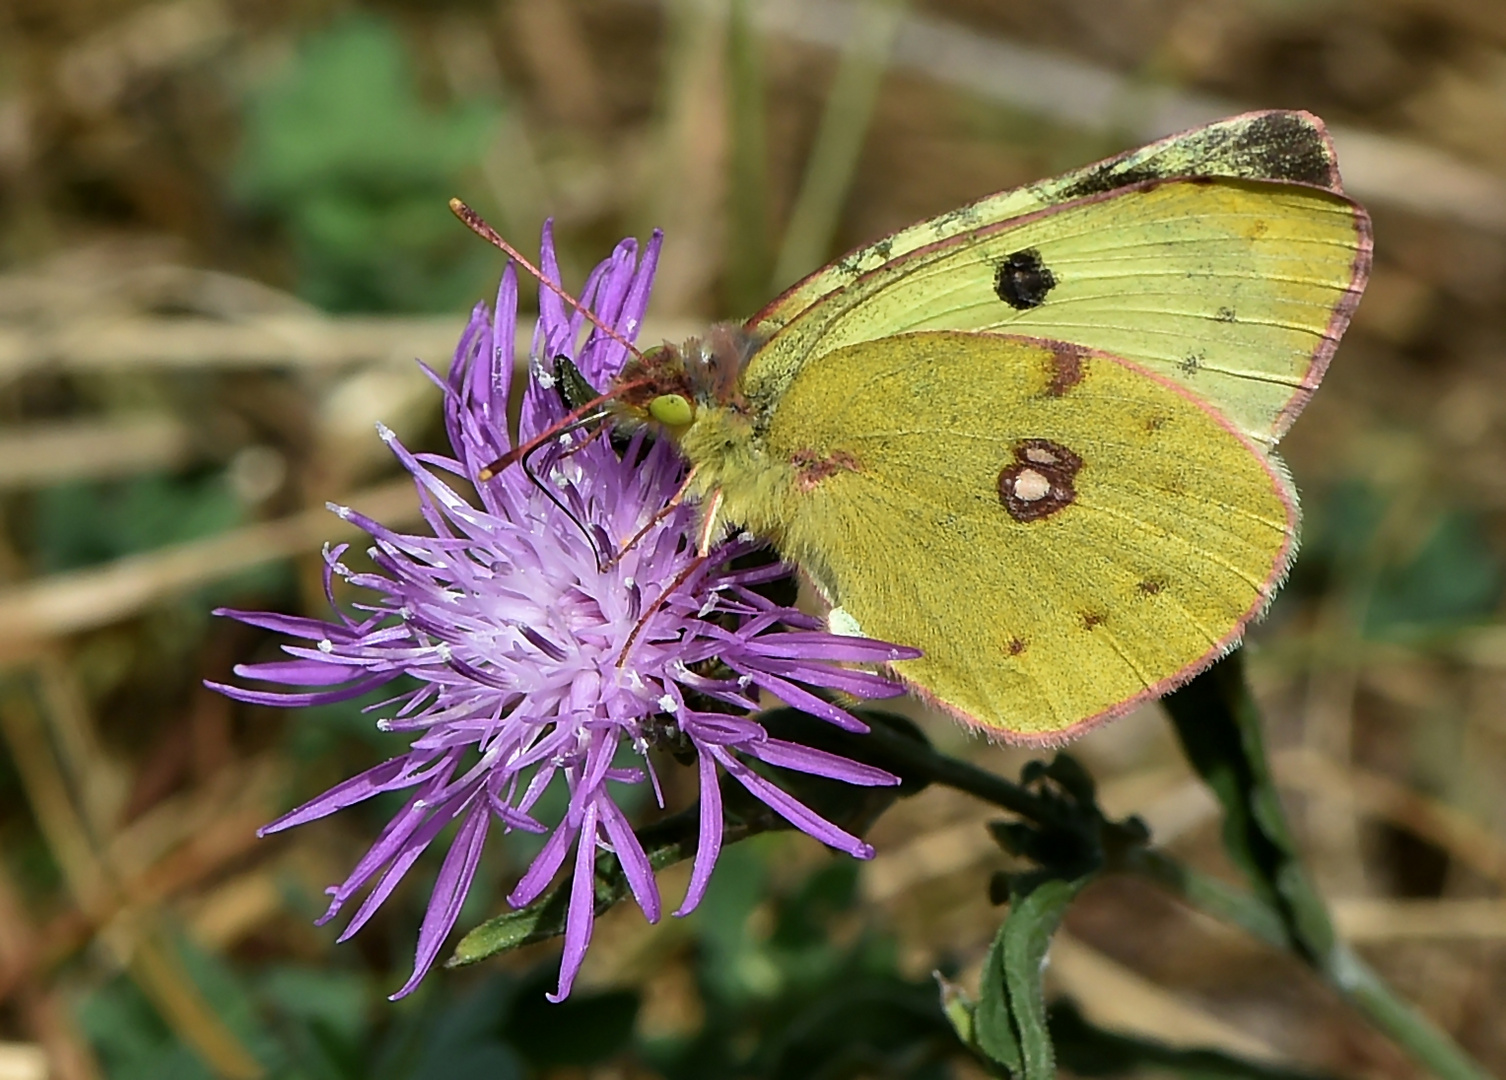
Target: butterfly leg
[[674, 501], [648, 612], [708, 526], [703, 549]]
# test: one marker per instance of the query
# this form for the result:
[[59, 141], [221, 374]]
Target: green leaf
[[1010, 1019], [345, 154], [80, 524], [1027, 935], [993, 1026], [1219, 726]]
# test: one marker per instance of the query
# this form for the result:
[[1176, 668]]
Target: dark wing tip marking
[[1277, 145]]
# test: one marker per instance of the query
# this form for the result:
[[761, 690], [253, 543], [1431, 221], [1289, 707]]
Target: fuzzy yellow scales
[[1032, 437], [1175, 532]]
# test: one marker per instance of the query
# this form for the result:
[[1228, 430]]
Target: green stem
[[955, 773], [1208, 894], [1428, 1044]]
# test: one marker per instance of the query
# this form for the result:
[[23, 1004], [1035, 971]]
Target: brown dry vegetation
[[151, 326]]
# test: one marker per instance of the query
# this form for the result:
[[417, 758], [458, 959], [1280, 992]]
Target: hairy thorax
[[728, 454]]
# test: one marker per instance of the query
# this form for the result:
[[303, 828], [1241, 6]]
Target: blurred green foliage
[[80, 524], [344, 156], [1448, 572]]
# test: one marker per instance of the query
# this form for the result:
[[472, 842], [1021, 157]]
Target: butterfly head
[[670, 386]]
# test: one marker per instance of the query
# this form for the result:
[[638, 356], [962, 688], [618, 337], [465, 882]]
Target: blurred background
[[223, 240]]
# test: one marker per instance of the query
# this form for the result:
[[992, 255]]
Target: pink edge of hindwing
[[1338, 322], [1267, 593], [1335, 186], [1321, 356]]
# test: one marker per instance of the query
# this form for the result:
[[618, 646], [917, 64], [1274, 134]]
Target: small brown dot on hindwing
[[1192, 362], [1225, 314], [1022, 280], [1093, 619], [1014, 646], [1151, 586], [1039, 481]]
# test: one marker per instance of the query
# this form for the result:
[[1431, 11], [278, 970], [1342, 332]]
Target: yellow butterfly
[[1033, 436]]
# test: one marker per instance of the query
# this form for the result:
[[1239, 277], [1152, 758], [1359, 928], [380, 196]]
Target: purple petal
[[300, 672], [581, 916], [803, 700], [543, 868], [631, 857], [491, 382], [347, 793], [327, 697], [388, 842], [709, 845], [407, 855], [789, 755], [450, 889], [791, 809], [296, 625]]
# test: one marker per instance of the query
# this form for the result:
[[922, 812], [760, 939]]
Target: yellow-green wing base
[[925, 482]]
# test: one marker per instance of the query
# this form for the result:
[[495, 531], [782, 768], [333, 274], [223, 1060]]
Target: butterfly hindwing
[[1062, 533]]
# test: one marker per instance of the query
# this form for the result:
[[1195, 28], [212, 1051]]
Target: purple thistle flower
[[535, 664]]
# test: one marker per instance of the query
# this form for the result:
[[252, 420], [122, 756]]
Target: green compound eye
[[671, 410]]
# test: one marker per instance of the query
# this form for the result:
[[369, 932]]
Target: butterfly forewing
[[1273, 145], [1236, 289]]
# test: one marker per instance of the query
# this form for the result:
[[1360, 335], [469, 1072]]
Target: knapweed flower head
[[539, 643]]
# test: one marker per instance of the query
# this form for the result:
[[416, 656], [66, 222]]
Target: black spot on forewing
[[1192, 363], [1022, 280], [1225, 314]]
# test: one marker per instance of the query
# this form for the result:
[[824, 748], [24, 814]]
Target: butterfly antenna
[[580, 414], [478, 225], [525, 460], [571, 421], [658, 602]]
